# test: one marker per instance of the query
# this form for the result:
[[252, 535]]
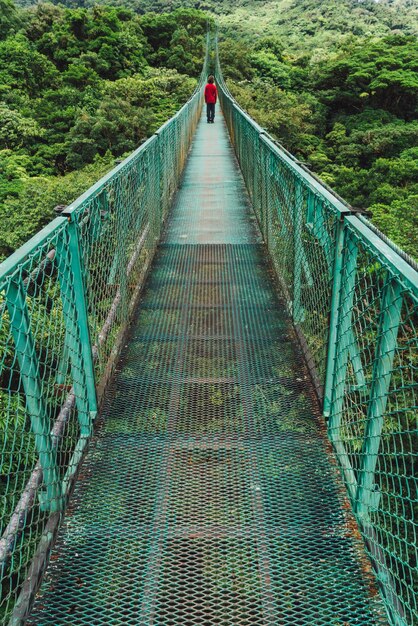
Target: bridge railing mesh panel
[[300, 223], [353, 298], [118, 228], [66, 299], [374, 408], [45, 405]]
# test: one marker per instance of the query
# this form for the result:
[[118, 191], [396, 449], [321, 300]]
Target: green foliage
[[334, 81], [23, 68], [175, 39], [352, 116], [378, 74], [315, 24], [78, 88], [31, 207], [13, 173], [17, 130], [14, 432], [101, 42], [236, 60], [130, 110], [287, 115], [9, 18]]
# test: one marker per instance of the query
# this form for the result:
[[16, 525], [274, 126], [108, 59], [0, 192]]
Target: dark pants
[[210, 111]]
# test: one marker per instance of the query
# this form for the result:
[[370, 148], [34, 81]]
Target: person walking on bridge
[[211, 94]]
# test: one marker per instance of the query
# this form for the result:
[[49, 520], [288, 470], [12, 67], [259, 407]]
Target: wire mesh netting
[[374, 413], [353, 301], [121, 224], [299, 223], [209, 496], [45, 406], [66, 299]]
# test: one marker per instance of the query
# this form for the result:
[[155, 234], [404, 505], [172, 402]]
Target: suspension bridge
[[209, 397]]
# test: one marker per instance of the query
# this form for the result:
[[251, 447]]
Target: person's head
[[211, 79]]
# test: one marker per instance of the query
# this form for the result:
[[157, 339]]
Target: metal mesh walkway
[[209, 495]]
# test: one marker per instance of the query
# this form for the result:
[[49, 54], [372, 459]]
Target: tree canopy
[[334, 80], [80, 87], [351, 116]]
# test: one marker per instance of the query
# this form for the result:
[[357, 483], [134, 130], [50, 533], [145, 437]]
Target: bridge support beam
[[390, 316], [73, 290], [340, 242], [344, 298]]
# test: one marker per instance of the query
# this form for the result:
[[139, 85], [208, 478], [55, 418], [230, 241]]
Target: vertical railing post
[[390, 316], [269, 165], [121, 241], [162, 194], [343, 331], [264, 178], [297, 309], [74, 302], [258, 183], [311, 214], [20, 326], [340, 243], [344, 302], [257, 177], [62, 369], [156, 189]]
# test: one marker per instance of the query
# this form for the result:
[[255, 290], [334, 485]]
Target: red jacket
[[210, 93]]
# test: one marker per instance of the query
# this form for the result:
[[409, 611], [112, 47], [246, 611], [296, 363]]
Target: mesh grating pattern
[[209, 495]]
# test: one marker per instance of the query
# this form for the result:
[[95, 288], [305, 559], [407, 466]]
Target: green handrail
[[353, 299]]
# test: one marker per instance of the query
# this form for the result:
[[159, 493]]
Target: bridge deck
[[209, 496]]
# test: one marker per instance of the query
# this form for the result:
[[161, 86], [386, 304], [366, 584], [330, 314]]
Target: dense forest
[[79, 88], [351, 117], [83, 83]]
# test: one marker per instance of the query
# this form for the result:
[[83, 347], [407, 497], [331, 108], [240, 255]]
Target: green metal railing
[[66, 300], [353, 299]]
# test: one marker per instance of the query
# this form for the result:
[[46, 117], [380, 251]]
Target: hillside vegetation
[[352, 117], [79, 88], [334, 80], [301, 24]]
